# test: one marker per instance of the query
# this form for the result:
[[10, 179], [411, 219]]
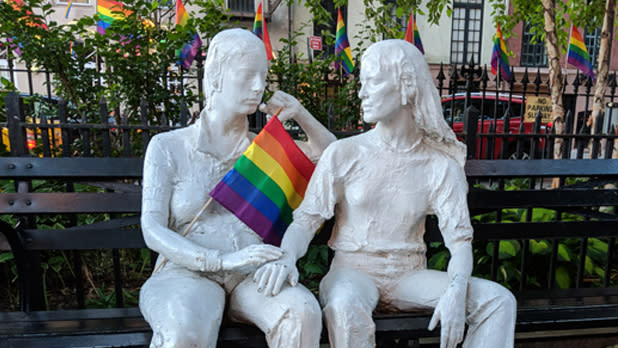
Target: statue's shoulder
[[173, 140], [354, 144]]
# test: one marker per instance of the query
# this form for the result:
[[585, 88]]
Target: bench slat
[[85, 239], [70, 167], [541, 168], [485, 199], [70, 202]]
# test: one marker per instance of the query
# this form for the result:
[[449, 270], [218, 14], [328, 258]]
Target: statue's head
[[235, 71], [405, 82]]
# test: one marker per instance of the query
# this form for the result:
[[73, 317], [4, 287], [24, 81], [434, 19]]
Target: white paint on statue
[[184, 301], [380, 186]]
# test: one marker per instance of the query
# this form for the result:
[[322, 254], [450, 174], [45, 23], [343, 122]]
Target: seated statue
[[380, 186], [184, 301]]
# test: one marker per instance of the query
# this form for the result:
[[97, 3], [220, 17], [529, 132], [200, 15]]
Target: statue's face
[[243, 82], [380, 94]]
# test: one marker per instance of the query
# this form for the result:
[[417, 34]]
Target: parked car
[[493, 109]]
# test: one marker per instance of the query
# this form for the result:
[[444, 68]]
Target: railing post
[[471, 116], [15, 117]]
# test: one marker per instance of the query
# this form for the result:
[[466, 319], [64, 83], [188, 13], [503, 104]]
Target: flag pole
[[197, 216]]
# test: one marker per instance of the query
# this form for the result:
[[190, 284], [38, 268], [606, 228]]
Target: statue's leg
[[348, 298], [491, 308], [183, 309], [292, 319]]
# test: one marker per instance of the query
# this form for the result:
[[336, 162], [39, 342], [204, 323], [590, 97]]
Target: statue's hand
[[291, 107], [253, 255], [271, 276], [451, 313]]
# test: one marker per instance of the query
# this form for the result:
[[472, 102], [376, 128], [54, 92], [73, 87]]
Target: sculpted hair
[[224, 48], [409, 68]]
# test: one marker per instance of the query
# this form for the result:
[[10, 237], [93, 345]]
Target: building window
[[466, 34], [244, 6], [75, 2], [532, 54], [592, 39]]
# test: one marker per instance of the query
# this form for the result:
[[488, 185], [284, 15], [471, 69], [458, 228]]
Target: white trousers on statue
[[185, 309], [356, 284]]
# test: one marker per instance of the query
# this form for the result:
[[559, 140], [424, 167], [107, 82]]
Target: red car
[[492, 113]]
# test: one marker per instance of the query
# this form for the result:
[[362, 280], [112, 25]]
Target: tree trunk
[[603, 63], [555, 73]]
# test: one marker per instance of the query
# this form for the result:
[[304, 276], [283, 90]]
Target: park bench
[[545, 313]]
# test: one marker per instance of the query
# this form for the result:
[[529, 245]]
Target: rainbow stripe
[[109, 11], [259, 29], [342, 45], [412, 34], [68, 10], [182, 17], [578, 53], [499, 59], [267, 183], [187, 54]]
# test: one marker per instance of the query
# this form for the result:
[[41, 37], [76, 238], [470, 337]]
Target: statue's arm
[[156, 198], [450, 206], [318, 136]]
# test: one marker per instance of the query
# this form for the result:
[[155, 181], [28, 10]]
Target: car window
[[454, 109]]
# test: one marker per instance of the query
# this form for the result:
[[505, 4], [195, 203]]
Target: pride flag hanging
[[68, 9], [342, 45], [267, 183], [259, 29], [412, 34], [578, 53], [499, 59], [187, 53], [109, 11], [182, 17]]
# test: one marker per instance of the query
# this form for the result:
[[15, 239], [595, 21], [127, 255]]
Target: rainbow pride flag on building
[[578, 53], [267, 183], [187, 53], [109, 11], [342, 46], [412, 34], [499, 59], [259, 29], [68, 9]]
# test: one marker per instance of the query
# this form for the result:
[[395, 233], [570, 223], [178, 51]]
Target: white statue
[[184, 301], [380, 186]]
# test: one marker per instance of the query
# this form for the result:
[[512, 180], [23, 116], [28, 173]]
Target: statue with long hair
[[380, 186]]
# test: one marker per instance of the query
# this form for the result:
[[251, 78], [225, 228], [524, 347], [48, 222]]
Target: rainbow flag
[[68, 9], [109, 11], [259, 29], [342, 45], [578, 53], [412, 34], [499, 59], [187, 53], [267, 183], [182, 17]]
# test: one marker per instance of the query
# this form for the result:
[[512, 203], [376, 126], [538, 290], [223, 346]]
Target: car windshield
[[454, 109]]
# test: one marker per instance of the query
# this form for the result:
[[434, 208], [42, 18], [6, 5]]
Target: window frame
[[532, 55], [467, 6]]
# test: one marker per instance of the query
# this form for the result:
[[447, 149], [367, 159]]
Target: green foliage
[[134, 57], [582, 13]]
